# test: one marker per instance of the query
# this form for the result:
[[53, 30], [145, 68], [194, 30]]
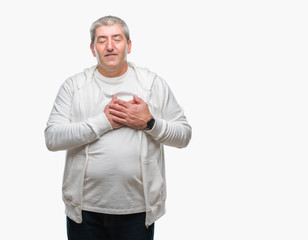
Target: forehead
[[109, 30]]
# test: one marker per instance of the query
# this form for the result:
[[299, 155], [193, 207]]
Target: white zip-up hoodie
[[74, 123]]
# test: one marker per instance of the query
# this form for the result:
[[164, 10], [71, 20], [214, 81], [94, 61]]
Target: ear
[[92, 50], [129, 46]]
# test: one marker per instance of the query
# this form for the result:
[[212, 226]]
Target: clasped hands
[[134, 114]]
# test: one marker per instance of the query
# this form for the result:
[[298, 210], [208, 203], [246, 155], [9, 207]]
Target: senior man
[[113, 120]]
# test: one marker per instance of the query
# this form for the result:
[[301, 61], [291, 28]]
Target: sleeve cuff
[[100, 124], [158, 128]]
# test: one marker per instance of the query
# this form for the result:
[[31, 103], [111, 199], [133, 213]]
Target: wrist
[[150, 124]]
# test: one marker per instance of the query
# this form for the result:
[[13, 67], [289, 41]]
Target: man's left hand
[[134, 113]]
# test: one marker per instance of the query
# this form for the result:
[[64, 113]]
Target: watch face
[[150, 123]]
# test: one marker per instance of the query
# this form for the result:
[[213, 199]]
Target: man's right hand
[[114, 124]]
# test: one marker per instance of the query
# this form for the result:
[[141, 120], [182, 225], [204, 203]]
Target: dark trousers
[[99, 226]]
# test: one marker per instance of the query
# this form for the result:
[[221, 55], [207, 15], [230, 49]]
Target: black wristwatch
[[150, 124]]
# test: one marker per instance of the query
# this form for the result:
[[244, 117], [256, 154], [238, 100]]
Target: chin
[[111, 64]]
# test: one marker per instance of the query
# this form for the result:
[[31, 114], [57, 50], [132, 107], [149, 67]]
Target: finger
[[137, 99], [119, 120], [117, 113], [121, 102], [118, 108], [131, 101], [112, 99]]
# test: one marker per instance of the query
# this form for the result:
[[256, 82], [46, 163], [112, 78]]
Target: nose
[[110, 46]]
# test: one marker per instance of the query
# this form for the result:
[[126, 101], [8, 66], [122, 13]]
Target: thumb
[[114, 98], [138, 100]]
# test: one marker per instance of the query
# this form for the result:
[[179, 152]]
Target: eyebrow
[[113, 36]]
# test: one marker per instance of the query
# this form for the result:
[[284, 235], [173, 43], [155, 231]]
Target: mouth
[[111, 55]]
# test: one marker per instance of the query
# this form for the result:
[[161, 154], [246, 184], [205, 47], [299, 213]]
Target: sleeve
[[172, 128], [61, 133]]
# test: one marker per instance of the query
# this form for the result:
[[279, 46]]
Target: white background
[[238, 68]]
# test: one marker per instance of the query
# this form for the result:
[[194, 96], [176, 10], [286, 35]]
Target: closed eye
[[117, 37]]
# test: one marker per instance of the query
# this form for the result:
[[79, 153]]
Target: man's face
[[110, 47]]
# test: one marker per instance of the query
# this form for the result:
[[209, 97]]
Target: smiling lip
[[110, 55]]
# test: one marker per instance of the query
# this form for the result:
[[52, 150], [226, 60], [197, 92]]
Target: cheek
[[96, 53], [99, 53], [122, 48], [126, 50], [99, 49]]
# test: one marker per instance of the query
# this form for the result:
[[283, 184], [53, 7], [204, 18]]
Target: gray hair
[[108, 20]]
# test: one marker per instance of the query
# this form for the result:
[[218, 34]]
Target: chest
[[91, 100]]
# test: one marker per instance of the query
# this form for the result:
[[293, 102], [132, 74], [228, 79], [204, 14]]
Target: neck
[[112, 71]]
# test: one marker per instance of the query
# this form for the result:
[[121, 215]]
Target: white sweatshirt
[[75, 122], [113, 182]]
